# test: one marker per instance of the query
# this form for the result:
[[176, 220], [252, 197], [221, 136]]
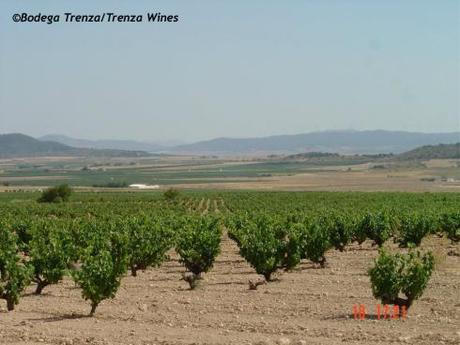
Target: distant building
[[144, 186]]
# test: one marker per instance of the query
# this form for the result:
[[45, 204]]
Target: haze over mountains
[[20, 145], [348, 142], [343, 142], [104, 144]]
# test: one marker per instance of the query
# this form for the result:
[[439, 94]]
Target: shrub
[[22, 228], [291, 242], [171, 194], [104, 262], [14, 273], [393, 274], [149, 240], [198, 245], [14, 278], [49, 254], [236, 225], [378, 227], [449, 223], [246, 230], [339, 228], [112, 184], [261, 246], [314, 241], [358, 233], [60, 193], [413, 228], [80, 237]]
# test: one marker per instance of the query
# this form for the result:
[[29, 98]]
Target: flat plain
[[248, 173]]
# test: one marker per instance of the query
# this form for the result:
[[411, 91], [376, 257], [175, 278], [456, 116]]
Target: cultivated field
[[249, 173], [306, 306], [303, 305]]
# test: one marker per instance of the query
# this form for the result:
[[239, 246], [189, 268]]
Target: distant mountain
[[20, 145], [104, 144], [17, 144], [442, 151], [346, 142], [342, 142]]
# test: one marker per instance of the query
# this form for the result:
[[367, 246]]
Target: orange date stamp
[[382, 312]]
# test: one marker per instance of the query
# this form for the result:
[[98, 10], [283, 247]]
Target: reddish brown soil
[[306, 306]]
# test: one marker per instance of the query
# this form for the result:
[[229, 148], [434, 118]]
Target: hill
[[346, 142], [17, 144], [20, 145], [441, 151]]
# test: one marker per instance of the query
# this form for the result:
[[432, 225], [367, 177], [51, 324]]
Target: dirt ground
[[409, 181], [306, 306]]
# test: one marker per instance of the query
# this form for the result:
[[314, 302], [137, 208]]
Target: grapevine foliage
[[339, 227], [315, 241], [198, 244], [378, 227], [449, 223], [413, 228], [98, 239], [14, 272], [260, 244], [49, 252], [104, 262], [149, 240], [398, 273]]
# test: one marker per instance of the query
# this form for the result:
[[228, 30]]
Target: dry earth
[[306, 306], [408, 181]]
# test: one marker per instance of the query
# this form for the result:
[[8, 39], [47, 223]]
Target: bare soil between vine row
[[306, 306]]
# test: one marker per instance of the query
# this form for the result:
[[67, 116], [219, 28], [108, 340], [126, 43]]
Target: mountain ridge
[[21, 145], [371, 141], [119, 144], [337, 141]]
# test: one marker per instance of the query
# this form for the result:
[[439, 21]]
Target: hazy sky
[[231, 68]]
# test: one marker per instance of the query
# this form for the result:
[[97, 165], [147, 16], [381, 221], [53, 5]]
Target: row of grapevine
[[273, 242], [96, 242], [313, 234], [97, 253]]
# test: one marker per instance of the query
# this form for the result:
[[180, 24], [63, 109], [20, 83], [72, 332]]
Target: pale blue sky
[[231, 68]]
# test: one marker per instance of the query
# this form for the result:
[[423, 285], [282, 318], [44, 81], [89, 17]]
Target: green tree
[[56, 194], [171, 194]]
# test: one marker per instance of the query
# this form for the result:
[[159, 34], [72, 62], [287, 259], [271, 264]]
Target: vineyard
[[290, 258]]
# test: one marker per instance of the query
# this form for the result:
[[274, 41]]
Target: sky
[[231, 68]]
